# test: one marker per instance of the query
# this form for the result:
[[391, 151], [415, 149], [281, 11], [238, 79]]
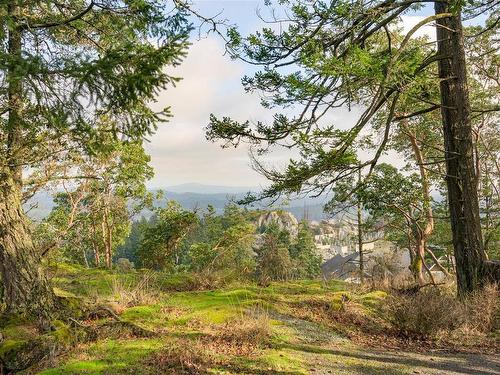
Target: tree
[[65, 64], [273, 255], [160, 241], [122, 171], [224, 243], [95, 216], [334, 54], [304, 253], [484, 59], [397, 199], [346, 197], [458, 143], [129, 248]]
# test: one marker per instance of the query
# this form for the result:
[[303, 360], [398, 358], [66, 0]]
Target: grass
[[193, 317], [108, 357], [290, 328]]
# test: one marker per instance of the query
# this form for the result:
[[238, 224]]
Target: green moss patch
[[110, 357]]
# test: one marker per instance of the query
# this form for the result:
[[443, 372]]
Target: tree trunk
[[25, 287], [426, 195], [419, 260], [95, 245], [360, 236], [460, 168], [105, 243], [360, 246]]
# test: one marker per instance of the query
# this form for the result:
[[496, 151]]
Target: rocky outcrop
[[284, 220]]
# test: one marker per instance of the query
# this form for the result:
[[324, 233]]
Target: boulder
[[284, 220]]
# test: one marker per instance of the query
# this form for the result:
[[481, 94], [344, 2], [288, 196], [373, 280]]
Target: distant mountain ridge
[[199, 196], [208, 189]]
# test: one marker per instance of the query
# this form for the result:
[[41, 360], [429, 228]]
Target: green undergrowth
[[201, 320], [109, 357]]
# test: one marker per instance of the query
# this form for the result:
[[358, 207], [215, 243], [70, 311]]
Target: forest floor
[[305, 327]]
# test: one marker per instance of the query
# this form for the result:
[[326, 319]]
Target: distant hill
[[209, 189], [199, 196]]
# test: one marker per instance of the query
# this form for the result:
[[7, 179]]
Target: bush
[[425, 313], [124, 265], [434, 312], [482, 309]]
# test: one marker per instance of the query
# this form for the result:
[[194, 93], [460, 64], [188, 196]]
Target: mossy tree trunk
[[25, 287]]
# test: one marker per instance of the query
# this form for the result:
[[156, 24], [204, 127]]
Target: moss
[[141, 312], [338, 299], [110, 357], [63, 334], [19, 332], [11, 347], [178, 282], [13, 320], [66, 269], [79, 367], [149, 316], [373, 299], [63, 293], [210, 307], [284, 361]]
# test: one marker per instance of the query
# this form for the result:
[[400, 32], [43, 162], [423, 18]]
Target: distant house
[[382, 257], [341, 267]]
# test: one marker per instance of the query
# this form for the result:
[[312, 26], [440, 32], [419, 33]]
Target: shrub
[[124, 265], [425, 313], [129, 294], [435, 312], [275, 264], [482, 309]]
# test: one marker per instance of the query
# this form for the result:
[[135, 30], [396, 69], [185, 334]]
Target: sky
[[212, 84]]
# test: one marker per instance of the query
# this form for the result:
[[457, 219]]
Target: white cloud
[[211, 84]]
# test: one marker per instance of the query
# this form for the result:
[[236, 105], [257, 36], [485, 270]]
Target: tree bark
[[95, 245], [460, 168], [105, 243], [26, 289], [360, 236], [419, 259]]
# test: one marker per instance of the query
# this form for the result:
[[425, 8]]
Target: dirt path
[[327, 353]]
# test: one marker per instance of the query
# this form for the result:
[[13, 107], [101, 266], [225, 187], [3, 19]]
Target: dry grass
[[184, 357], [436, 314], [482, 309], [130, 294], [424, 314], [244, 335]]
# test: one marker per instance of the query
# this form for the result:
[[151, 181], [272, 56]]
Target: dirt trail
[[325, 352]]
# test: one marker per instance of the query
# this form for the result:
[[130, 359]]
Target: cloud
[[211, 84]]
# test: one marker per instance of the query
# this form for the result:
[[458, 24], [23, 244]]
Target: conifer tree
[[65, 64], [329, 54]]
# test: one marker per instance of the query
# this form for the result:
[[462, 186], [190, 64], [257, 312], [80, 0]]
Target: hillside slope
[[156, 326]]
